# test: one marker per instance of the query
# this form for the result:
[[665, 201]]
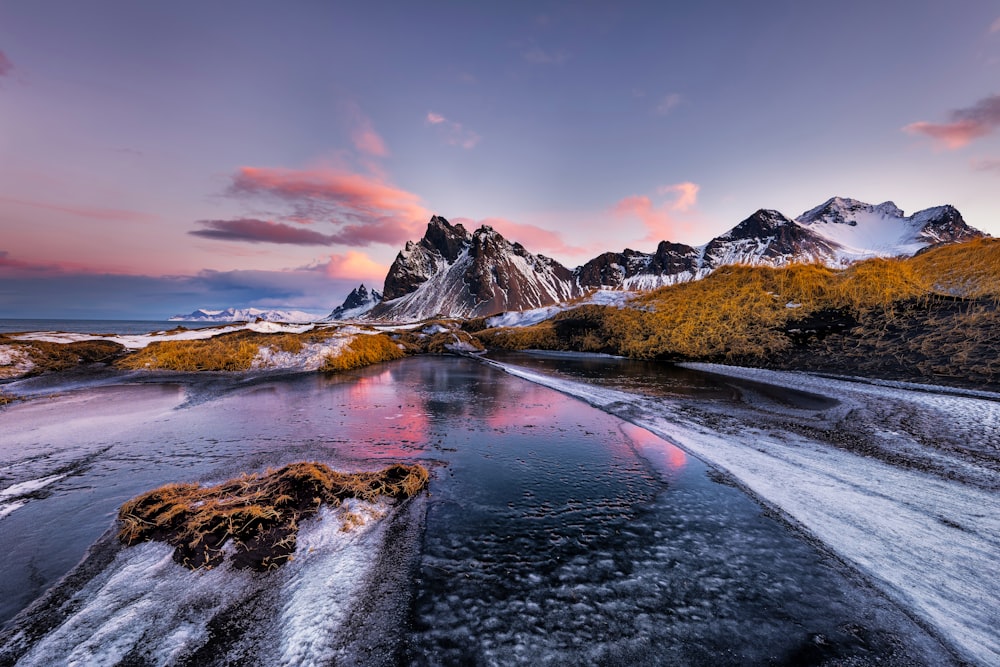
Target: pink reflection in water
[[664, 455]]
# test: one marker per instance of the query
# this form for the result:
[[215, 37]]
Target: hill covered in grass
[[931, 317]]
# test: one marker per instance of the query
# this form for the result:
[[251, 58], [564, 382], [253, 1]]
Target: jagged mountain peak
[[764, 222], [357, 303], [844, 210], [453, 272]]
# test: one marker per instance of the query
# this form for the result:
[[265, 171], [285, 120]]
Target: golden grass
[[743, 312], [363, 350], [259, 513], [234, 351], [6, 398], [969, 269], [226, 352]]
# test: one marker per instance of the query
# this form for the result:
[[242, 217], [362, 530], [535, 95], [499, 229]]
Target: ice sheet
[[929, 542]]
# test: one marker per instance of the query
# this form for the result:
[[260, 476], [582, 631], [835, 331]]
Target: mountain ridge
[[452, 272]]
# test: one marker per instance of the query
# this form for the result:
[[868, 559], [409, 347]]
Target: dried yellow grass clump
[[221, 353], [364, 350], [259, 513], [226, 352], [970, 269]]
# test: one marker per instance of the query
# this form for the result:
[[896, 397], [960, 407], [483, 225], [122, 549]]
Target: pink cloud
[[354, 265], [454, 133], [661, 220], [252, 230], [21, 267], [535, 239], [107, 214], [687, 195], [5, 64], [364, 208], [368, 141], [995, 27], [965, 125]]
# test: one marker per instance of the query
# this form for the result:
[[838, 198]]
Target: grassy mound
[[234, 351], [932, 315], [363, 350], [259, 513], [46, 356]]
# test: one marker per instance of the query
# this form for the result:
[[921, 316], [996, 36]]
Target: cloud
[[366, 139], [661, 220], [995, 27], [106, 214], [687, 195], [667, 103], [354, 265], [32, 290], [365, 209], [979, 120], [534, 238], [252, 230], [986, 164], [5, 64], [454, 133], [541, 56]]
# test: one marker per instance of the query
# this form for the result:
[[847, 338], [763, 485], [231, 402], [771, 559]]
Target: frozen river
[[554, 532]]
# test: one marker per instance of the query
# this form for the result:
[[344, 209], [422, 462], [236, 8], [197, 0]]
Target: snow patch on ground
[[139, 341], [131, 341], [309, 358], [14, 361], [929, 542]]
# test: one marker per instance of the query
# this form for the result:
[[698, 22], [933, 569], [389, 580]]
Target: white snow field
[[928, 537]]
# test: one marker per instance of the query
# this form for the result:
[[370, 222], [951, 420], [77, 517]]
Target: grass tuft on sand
[[259, 513], [363, 350]]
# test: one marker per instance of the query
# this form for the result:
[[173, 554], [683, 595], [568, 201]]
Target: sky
[[157, 157]]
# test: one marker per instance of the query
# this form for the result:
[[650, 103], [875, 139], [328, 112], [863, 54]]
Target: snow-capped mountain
[[452, 272], [859, 230], [357, 303], [835, 233], [244, 315]]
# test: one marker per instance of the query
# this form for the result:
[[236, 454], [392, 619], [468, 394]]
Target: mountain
[[244, 315], [835, 233], [357, 303], [452, 272]]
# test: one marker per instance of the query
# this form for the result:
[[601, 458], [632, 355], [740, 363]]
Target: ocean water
[[97, 326]]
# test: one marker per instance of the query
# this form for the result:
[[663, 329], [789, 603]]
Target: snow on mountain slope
[[858, 230], [452, 273], [357, 303], [244, 315]]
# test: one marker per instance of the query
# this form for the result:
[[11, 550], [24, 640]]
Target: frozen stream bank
[[900, 482]]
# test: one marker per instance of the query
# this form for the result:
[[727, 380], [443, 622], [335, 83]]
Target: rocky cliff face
[[451, 272]]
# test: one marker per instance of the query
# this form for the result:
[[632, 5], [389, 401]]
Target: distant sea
[[98, 326]]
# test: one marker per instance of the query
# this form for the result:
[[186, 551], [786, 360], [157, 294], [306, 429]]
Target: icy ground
[[902, 484], [143, 608]]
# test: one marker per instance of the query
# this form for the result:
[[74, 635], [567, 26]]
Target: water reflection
[[555, 533]]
